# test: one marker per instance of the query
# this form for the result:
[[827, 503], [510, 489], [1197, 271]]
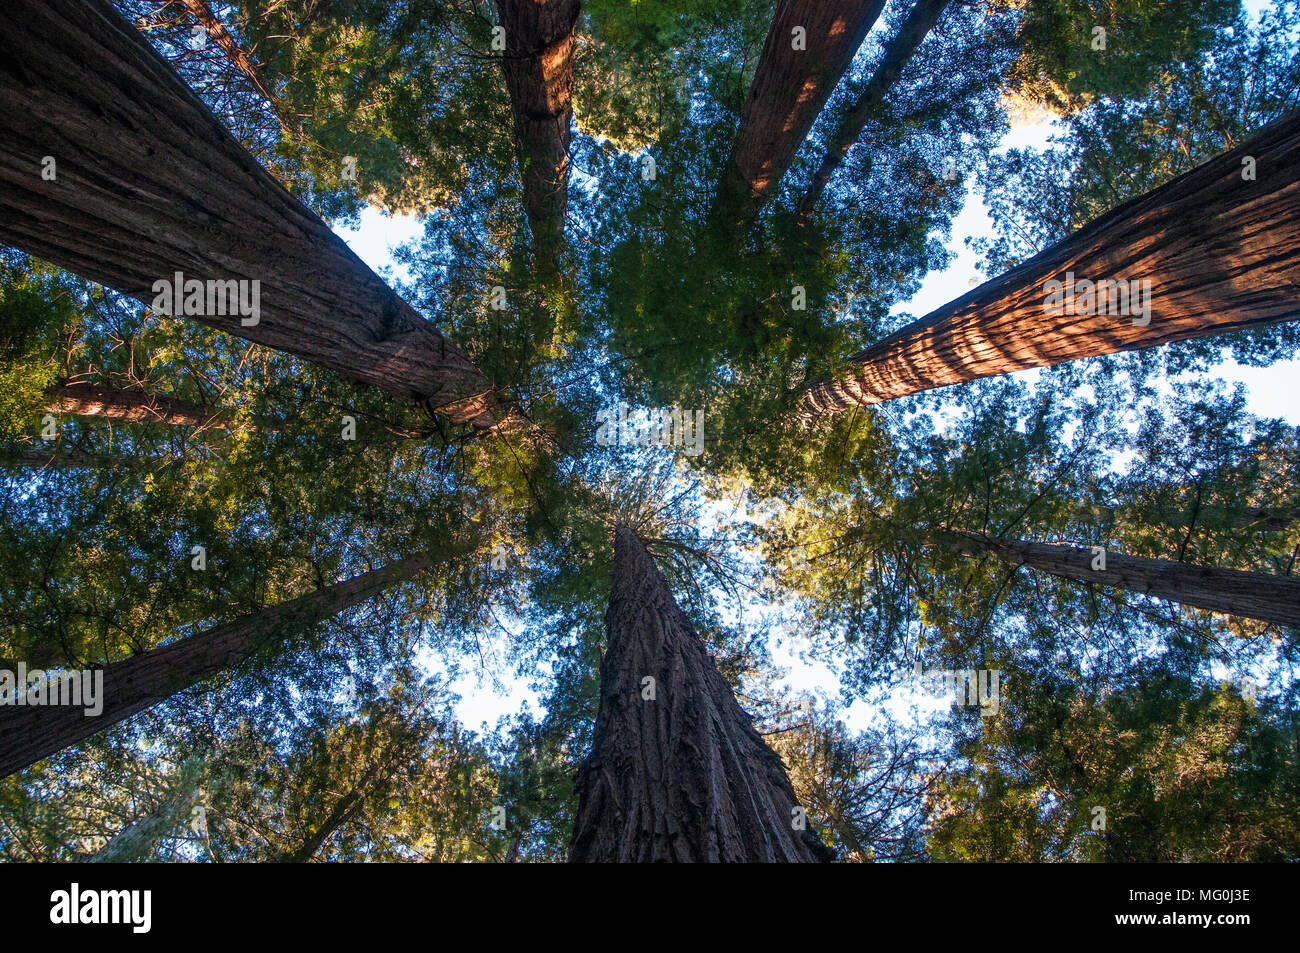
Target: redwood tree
[[1255, 595], [134, 406], [1215, 243], [914, 29], [676, 770], [538, 66], [29, 733], [145, 183], [795, 76]]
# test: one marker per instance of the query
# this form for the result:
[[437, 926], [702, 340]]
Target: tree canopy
[[632, 349]]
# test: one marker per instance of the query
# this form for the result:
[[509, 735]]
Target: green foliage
[[1181, 772], [337, 740], [34, 314], [1063, 61]]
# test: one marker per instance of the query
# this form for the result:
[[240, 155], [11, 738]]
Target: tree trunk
[[133, 406], [61, 460], [915, 28], [1255, 595], [218, 33], [538, 66], [175, 811], [147, 183], [683, 776], [30, 733], [789, 89], [1218, 250], [342, 812]]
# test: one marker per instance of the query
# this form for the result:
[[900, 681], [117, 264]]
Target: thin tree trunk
[[789, 89], [538, 66], [133, 406], [683, 776], [342, 812], [218, 33], [135, 843], [1219, 252], [914, 29], [30, 733], [61, 460], [147, 184], [1255, 595]]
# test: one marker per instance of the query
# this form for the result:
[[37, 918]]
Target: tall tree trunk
[[30, 733], [136, 842], [682, 776], [133, 406], [914, 29], [789, 89], [1219, 251], [147, 183], [1255, 595], [538, 66], [1262, 519], [218, 33]]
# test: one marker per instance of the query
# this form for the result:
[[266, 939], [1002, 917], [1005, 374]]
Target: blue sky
[[487, 695]]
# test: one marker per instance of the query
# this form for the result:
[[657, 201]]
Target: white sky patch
[[375, 239]]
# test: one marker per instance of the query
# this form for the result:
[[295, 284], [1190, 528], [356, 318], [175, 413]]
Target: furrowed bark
[[538, 67], [1255, 595], [32, 732], [914, 29], [683, 777], [148, 184], [133, 406], [1219, 252], [789, 89]]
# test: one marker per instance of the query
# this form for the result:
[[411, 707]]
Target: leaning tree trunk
[[218, 33], [1218, 249], [146, 183], [343, 810], [32, 732], [915, 28], [1255, 595], [1263, 519], [789, 89], [132, 406], [676, 770], [137, 841], [538, 66]]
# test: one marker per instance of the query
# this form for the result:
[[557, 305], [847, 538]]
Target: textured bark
[[30, 733], [683, 777], [1255, 595], [789, 89], [538, 66], [914, 29], [149, 184], [133, 406], [1219, 251]]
